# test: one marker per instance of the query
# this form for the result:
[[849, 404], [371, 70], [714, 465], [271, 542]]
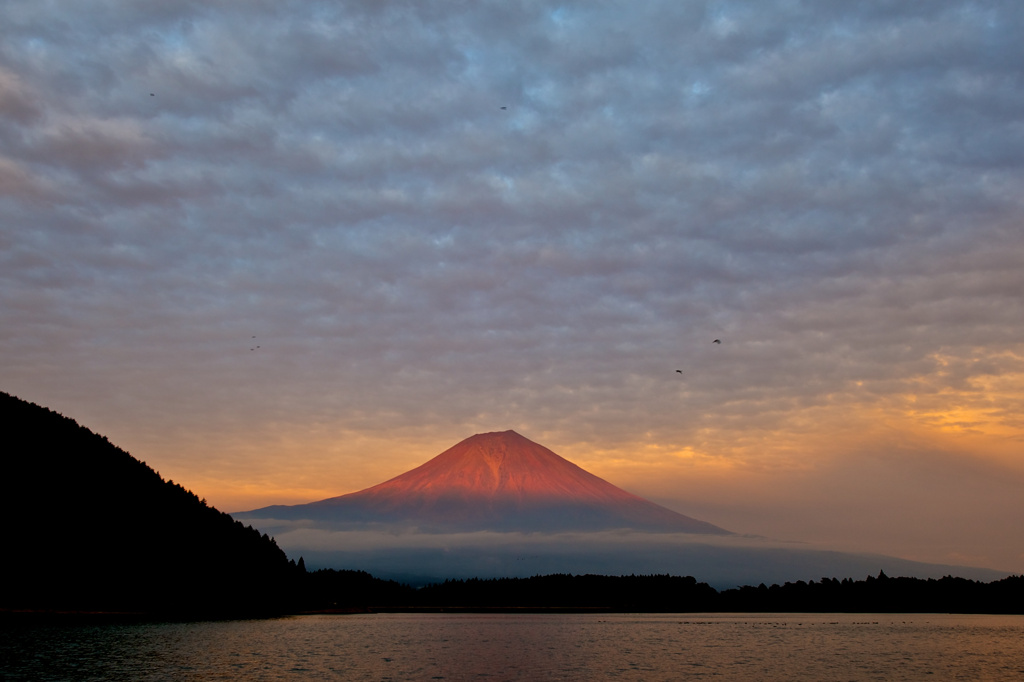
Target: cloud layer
[[282, 250], [723, 562]]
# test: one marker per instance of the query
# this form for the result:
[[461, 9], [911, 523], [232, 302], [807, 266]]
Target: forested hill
[[89, 527]]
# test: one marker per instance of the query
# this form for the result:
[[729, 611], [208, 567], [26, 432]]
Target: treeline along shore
[[89, 529], [327, 590]]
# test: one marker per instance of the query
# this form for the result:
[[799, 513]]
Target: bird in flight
[[718, 341], [503, 108], [680, 371]]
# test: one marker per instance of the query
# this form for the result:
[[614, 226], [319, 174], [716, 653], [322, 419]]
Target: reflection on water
[[525, 647]]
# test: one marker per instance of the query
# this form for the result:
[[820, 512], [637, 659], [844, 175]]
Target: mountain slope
[[495, 481], [89, 527]]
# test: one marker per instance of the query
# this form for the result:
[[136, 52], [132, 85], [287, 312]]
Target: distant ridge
[[494, 481]]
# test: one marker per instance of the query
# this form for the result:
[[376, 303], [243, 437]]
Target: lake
[[437, 646]]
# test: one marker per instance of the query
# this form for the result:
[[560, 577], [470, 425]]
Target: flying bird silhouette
[[680, 371], [718, 341]]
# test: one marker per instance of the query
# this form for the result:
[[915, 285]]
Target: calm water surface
[[526, 647]]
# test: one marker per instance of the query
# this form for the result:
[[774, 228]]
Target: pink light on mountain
[[495, 481]]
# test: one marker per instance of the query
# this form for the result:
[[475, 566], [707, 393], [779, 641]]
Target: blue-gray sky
[[286, 250]]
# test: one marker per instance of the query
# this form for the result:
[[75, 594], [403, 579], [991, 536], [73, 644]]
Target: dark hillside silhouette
[[89, 527], [880, 594], [674, 594], [332, 590], [638, 593]]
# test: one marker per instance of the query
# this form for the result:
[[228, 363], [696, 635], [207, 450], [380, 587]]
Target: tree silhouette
[[98, 529]]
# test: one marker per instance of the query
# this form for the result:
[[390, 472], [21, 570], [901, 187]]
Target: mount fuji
[[499, 505], [498, 482]]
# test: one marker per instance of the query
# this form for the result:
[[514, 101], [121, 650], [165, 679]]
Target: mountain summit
[[495, 481]]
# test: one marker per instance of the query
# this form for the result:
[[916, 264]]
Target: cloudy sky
[[282, 251]]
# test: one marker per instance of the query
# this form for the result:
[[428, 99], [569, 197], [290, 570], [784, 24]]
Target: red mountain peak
[[504, 481], [501, 465]]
